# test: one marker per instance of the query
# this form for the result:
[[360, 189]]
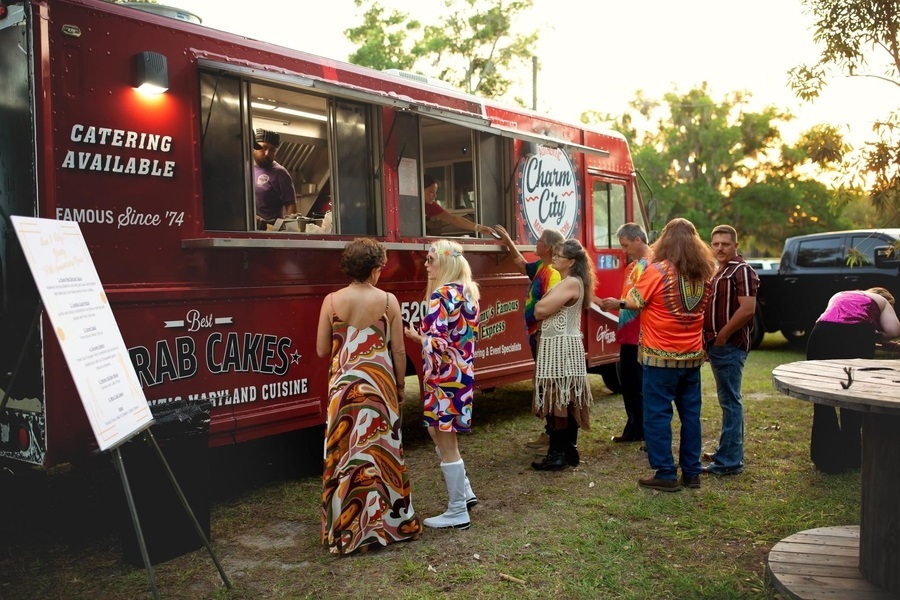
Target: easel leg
[[120, 467], [148, 437]]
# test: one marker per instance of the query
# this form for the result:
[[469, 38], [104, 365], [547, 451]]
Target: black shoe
[[691, 482], [554, 461], [572, 456], [663, 485]]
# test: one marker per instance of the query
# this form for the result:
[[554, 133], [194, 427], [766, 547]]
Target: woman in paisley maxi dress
[[366, 495], [447, 336]]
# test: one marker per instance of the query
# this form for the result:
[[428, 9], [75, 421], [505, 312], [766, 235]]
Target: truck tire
[[796, 338], [758, 332], [611, 379]]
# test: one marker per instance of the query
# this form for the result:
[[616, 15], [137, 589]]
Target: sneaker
[[691, 482], [625, 439], [542, 441], [713, 470], [663, 485]]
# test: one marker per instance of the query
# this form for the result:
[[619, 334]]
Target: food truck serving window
[[259, 141]]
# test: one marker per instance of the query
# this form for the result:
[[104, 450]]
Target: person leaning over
[[562, 394], [543, 277], [273, 187], [366, 499], [447, 335], [671, 295], [851, 324], [727, 324], [633, 240], [436, 211]]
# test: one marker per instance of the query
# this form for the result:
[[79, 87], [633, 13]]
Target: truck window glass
[[865, 245], [225, 205], [356, 209], [406, 139], [493, 171], [608, 200], [447, 157], [820, 253], [301, 121]]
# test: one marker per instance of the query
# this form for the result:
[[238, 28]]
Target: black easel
[[15, 374], [120, 467]]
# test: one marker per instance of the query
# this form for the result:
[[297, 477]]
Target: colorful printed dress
[[366, 495], [448, 350]]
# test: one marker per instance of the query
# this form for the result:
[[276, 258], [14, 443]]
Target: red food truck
[[211, 305]]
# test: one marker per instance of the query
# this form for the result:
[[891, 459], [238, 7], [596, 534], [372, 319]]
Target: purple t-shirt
[[850, 308], [274, 189]]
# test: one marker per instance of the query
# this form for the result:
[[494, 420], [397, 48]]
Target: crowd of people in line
[[684, 302]]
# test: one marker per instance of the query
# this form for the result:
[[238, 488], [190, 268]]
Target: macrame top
[[560, 371]]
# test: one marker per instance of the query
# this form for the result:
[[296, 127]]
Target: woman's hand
[[411, 333]]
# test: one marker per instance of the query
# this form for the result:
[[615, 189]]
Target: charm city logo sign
[[547, 190]]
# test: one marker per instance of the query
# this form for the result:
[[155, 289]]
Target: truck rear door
[[810, 278]]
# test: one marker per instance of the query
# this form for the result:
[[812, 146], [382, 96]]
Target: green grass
[[588, 532]]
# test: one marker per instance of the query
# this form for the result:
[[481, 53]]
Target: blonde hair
[[448, 264], [883, 293]]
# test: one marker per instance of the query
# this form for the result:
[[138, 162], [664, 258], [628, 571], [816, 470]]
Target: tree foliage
[[385, 39], [473, 46], [860, 38], [715, 161]]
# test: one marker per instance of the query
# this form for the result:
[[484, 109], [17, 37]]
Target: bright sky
[[595, 54]]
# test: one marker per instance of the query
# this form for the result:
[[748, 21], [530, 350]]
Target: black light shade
[[151, 72]]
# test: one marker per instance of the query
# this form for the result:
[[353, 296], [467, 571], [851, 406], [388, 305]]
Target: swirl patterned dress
[[366, 495], [448, 349]]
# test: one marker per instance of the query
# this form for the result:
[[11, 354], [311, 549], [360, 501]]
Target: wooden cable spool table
[[818, 563]]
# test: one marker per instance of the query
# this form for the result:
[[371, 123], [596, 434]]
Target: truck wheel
[[610, 375], [796, 338], [758, 332]]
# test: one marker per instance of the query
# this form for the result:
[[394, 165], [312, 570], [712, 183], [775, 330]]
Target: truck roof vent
[[165, 11], [419, 78]]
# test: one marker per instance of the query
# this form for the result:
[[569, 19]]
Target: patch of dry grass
[[587, 532]]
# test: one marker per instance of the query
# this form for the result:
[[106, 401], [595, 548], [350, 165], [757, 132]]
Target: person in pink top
[[851, 324]]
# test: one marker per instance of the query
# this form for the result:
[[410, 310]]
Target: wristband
[[621, 304]]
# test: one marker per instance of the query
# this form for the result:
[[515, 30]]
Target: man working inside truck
[[273, 186]]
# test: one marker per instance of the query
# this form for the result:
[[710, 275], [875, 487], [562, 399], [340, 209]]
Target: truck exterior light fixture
[[151, 73]]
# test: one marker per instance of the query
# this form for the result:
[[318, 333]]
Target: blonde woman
[[447, 335], [561, 391]]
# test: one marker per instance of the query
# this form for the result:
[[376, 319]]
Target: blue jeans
[[662, 388], [727, 364]]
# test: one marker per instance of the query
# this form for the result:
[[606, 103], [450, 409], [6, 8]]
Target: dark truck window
[[827, 252], [225, 205], [865, 245]]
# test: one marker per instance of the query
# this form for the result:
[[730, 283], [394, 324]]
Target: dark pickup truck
[[814, 267]]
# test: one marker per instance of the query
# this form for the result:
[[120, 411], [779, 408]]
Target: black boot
[[571, 448], [556, 455]]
